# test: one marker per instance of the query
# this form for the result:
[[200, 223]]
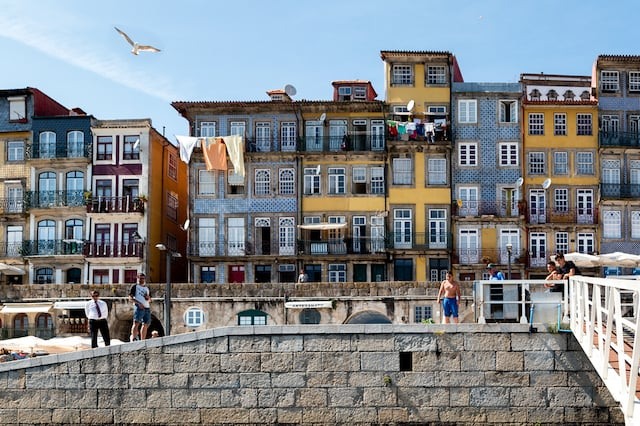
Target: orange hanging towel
[[215, 154]]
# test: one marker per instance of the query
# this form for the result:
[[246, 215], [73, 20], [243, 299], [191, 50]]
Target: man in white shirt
[[97, 312]]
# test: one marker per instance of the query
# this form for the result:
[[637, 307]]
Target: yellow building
[[561, 170], [418, 96]]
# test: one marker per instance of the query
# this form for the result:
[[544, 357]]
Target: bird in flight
[[135, 47]]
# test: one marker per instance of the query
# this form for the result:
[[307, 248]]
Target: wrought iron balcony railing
[[239, 248], [81, 247], [51, 199], [350, 142], [619, 139], [11, 249], [12, 206], [419, 240], [125, 204], [96, 249], [60, 150], [612, 191], [503, 209], [582, 216], [476, 256]]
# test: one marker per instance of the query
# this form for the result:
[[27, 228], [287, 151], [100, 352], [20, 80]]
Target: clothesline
[[215, 150]]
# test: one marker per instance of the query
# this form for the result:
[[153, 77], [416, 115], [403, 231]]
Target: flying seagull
[[136, 48]]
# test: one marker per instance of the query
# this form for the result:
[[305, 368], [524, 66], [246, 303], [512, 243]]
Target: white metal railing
[[604, 320]]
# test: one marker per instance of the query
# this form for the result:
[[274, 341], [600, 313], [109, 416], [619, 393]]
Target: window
[[252, 317], [437, 228], [359, 178], [314, 135], [131, 148], [561, 200], [74, 187], [508, 152], [337, 180], [206, 182], [508, 111], [377, 180], [584, 124], [536, 124], [552, 95], [436, 75], [236, 236], [235, 182], [263, 182], [44, 275], [311, 181], [17, 108], [402, 171], [263, 137], [402, 228], [610, 123], [584, 163], [422, 313], [560, 163], [344, 91], [611, 224], [172, 168], [238, 128], [194, 317], [609, 81], [101, 276], [206, 236], [359, 93], [286, 179], [288, 136], [560, 124], [634, 81], [47, 145], [635, 224], [634, 125], [586, 242], [467, 111], [208, 274], [15, 151], [536, 163], [286, 236], [172, 205], [437, 109], [401, 75], [105, 148], [337, 273], [15, 198], [535, 95], [569, 95], [437, 171], [309, 316], [634, 175], [468, 154], [14, 240], [103, 188], [75, 144], [562, 242], [208, 129]]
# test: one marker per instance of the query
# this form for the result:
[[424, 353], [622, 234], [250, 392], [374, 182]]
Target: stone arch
[[368, 317], [120, 328]]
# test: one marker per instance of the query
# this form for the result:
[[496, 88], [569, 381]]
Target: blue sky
[[239, 49]]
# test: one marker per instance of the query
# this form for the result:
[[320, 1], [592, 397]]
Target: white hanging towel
[[235, 150], [186, 143]]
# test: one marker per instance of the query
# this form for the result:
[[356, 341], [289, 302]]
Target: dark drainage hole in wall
[[406, 361]]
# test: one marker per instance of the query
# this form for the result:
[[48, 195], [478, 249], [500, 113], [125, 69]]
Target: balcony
[[96, 249], [52, 199], [12, 206], [238, 248], [11, 249], [419, 241], [582, 216], [475, 256], [125, 204], [502, 209], [616, 191], [358, 142], [81, 247], [619, 139], [61, 150]]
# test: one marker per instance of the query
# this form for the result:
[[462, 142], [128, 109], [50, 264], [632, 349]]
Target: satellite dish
[[136, 144], [323, 116], [410, 105], [318, 169], [519, 182], [546, 184], [290, 90], [185, 226]]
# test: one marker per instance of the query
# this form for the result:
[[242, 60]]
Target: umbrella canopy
[[10, 269], [582, 260], [621, 259]]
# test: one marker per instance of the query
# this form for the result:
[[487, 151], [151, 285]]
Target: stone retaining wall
[[356, 374]]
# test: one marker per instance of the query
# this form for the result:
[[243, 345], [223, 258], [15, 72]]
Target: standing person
[[97, 312], [495, 274], [139, 295], [450, 289], [303, 277]]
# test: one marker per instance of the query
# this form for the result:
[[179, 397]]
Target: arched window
[[252, 317], [75, 144], [46, 189], [309, 316], [47, 142], [74, 186], [44, 321], [368, 317], [44, 275], [46, 236], [20, 325]]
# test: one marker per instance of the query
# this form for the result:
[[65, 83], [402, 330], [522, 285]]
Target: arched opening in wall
[[74, 276], [121, 329], [368, 317], [309, 316]]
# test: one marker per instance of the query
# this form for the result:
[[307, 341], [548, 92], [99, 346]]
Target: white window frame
[[437, 171], [312, 184], [288, 136], [437, 228], [286, 236], [402, 171], [584, 124], [468, 154], [536, 124], [208, 129], [585, 242], [262, 185], [17, 108], [635, 224], [377, 180], [207, 182], [561, 200], [436, 74], [207, 230], [287, 181], [337, 180], [611, 224], [359, 92], [238, 128], [467, 111], [402, 228], [15, 151], [508, 110], [537, 163], [560, 163], [194, 317], [561, 242], [508, 154], [609, 81], [584, 163], [337, 272], [560, 124], [263, 136], [402, 75], [610, 123]]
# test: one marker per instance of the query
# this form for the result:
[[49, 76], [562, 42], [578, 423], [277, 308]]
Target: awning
[[323, 226], [70, 304], [11, 270], [309, 304], [24, 308]]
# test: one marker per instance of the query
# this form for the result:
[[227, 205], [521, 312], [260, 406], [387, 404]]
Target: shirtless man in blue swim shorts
[[450, 289]]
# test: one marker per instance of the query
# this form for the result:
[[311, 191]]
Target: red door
[[236, 273]]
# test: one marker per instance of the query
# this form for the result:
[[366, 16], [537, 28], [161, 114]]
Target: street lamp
[[509, 249], [169, 254]]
